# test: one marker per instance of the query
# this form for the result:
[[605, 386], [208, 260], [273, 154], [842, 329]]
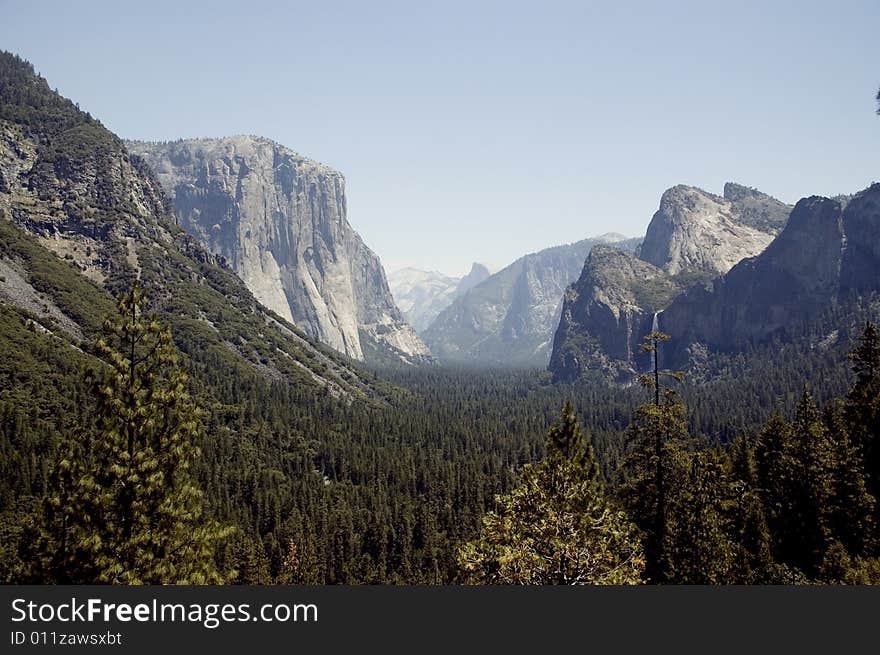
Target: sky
[[481, 131]]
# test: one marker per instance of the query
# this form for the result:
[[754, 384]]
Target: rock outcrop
[[280, 220], [509, 318], [606, 313], [698, 232]]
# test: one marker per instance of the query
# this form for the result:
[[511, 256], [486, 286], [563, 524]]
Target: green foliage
[[556, 526], [699, 548], [124, 508], [861, 409], [654, 463], [653, 294], [371, 493], [852, 507], [26, 98], [75, 295], [812, 483], [752, 557]]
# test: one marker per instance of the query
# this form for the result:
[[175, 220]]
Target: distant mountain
[[509, 318], [693, 237], [422, 295], [280, 220], [475, 276]]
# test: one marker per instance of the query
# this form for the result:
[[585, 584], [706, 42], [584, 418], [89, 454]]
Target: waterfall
[[655, 324]]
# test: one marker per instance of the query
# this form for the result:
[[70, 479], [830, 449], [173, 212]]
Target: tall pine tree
[[656, 463], [862, 410], [124, 508], [753, 560]]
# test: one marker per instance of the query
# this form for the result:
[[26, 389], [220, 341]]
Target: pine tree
[[813, 488], [655, 463], [753, 560], [699, 548], [851, 515], [248, 560], [862, 410], [795, 464], [556, 526], [124, 508]]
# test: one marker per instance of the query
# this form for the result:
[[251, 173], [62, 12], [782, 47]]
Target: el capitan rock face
[[81, 218], [280, 220], [693, 237]]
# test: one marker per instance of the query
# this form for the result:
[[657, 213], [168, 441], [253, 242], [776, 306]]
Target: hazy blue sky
[[485, 130]]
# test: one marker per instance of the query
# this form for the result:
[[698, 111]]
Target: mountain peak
[[611, 237], [696, 231], [477, 274], [684, 194], [478, 270], [735, 191]]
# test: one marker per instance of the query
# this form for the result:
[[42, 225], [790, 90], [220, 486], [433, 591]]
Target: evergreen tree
[[777, 470], [862, 409], [851, 515], [655, 462], [124, 508], [556, 526], [753, 560], [247, 558], [699, 548], [796, 469], [813, 488]]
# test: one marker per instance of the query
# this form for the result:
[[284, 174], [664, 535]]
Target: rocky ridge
[[698, 232], [827, 255]]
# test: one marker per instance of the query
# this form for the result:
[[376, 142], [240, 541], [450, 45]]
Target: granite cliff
[[827, 256], [606, 313], [693, 237], [280, 220], [80, 218], [698, 232]]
